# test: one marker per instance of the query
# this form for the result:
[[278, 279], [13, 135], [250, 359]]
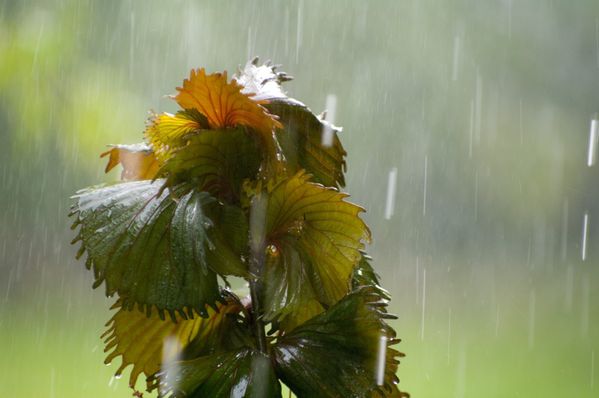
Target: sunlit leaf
[[336, 353], [222, 102], [243, 373], [166, 132], [303, 138], [314, 239], [148, 247], [140, 340], [138, 161], [216, 161]]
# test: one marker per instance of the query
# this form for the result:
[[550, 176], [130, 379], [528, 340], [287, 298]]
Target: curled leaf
[[138, 161]]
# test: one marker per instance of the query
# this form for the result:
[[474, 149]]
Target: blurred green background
[[484, 108]]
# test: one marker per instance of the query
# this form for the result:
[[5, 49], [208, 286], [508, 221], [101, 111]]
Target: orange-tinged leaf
[[223, 103], [166, 132], [140, 340], [138, 161]]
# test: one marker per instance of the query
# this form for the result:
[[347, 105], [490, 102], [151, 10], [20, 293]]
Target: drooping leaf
[[307, 141], [243, 373], [314, 239], [138, 161], [140, 340], [165, 132], [337, 353], [222, 102], [148, 247], [216, 161]]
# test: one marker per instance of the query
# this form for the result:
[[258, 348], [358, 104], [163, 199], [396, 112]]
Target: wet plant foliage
[[239, 182]]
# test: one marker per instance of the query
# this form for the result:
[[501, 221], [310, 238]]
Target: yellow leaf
[[140, 340], [138, 161], [166, 132], [223, 103]]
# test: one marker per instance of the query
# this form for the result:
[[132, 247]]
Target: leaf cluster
[[237, 183]]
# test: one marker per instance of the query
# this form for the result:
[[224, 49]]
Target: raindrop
[[593, 370], [478, 106], [381, 359], [423, 304], [585, 229], [449, 336], [425, 183], [390, 203], [457, 44], [565, 230], [592, 143], [327, 132], [171, 349]]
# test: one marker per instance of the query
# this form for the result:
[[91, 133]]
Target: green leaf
[[314, 239], [336, 353], [216, 161], [364, 275], [243, 373], [150, 248], [140, 340], [301, 138]]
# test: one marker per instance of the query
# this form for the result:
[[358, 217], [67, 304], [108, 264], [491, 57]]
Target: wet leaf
[[301, 137], [243, 373], [222, 102], [139, 340], [166, 132], [314, 239], [216, 161], [335, 354], [148, 247], [138, 161], [364, 275]]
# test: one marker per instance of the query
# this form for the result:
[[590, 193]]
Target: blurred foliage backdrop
[[482, 107]]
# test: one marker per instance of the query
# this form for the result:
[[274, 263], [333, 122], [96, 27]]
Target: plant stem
[[256, 311], [256, 266]]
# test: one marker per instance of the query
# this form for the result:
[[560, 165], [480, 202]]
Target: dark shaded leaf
[[364, 275], [244, 373], [216, 161], [335, 354], [301, 138], [149, 248]]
